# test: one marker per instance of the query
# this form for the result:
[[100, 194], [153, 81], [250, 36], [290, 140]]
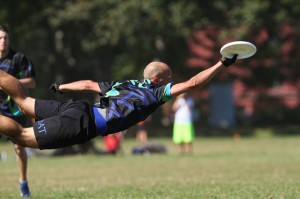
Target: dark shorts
[[62, 124]]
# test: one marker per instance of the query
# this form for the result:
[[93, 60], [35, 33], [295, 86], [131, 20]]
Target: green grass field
[[219, 168]]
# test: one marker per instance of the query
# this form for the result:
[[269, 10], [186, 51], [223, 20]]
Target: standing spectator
[[19, 66], [141, 131], [183, 130]]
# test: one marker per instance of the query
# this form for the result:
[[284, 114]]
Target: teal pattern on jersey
[[13, 107]]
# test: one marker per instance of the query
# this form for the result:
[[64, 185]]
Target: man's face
[[4, 41]]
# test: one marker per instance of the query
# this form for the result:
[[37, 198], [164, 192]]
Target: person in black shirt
[[122, 104], [21, 67]]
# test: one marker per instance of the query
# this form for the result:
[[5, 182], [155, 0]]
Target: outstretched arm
[[202, 78], [197, 81], [79, 86]]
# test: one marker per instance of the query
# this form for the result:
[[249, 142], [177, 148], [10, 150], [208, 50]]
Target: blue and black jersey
[[19, 66], [129, 102]]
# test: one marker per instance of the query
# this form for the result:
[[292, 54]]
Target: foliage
[[100, 33], [114, 39]]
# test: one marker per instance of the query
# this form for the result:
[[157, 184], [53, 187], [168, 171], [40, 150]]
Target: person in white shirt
[[183, 129]]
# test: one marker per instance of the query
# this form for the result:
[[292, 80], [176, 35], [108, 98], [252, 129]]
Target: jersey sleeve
[[106, 86], [164, 92]]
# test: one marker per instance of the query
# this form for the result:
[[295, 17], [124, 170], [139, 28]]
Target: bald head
[[158, 72], [155, 69]]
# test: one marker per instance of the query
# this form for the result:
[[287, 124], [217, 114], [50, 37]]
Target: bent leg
[[14, 88], [22, 136]]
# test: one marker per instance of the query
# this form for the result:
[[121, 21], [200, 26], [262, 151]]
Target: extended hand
[[55, 88], [228, 61]]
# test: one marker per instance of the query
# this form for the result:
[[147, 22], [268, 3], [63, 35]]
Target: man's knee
[[27, 106], [20, 150]]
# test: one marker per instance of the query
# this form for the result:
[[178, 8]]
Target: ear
[[155, 80]]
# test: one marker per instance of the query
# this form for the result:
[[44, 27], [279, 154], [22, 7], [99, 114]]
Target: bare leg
[[23, 136], [182, 148], [190, 147], [14, 88], [22, 161], [22, 164], [142, 137]]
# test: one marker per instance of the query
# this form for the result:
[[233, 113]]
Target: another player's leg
[[14, 88], [190, 147], [22, 164], [22, 136]]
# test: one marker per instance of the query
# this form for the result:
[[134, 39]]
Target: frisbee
[[244, 49]]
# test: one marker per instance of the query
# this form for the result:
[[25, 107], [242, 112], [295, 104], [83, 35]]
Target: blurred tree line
[[114, 39]]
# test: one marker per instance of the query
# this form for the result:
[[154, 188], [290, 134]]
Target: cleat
[[25, 193]]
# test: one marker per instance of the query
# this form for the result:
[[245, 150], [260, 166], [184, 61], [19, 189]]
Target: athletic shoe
[[25, 193]]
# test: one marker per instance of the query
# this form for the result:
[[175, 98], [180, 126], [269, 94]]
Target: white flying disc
[[244, 49]]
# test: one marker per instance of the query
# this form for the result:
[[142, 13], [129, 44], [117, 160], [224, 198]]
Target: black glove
[[228, 61], [55, 88]]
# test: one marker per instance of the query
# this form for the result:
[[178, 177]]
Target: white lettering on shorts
[[41, 127]]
